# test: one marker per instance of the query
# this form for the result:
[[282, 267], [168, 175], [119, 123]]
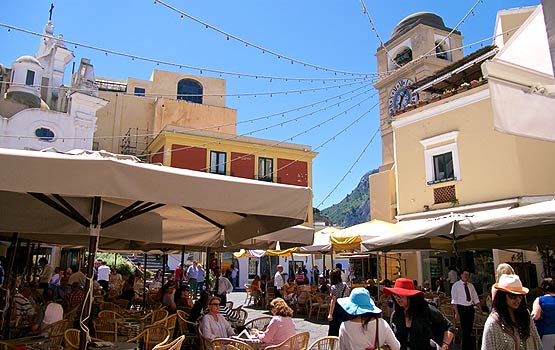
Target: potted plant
[[448, 92], [463, 87], [421, 103], [410, 107]]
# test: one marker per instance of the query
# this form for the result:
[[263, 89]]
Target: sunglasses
[[515, 296]]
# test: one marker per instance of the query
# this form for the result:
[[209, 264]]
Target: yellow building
[[182, 121], [442, 153]]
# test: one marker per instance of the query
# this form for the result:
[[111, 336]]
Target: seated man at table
[[23, 310], [76, 297], [63, 290]]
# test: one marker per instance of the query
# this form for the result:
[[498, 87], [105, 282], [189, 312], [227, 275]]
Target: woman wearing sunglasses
[[417, 324], [213, 325], [509, 326]]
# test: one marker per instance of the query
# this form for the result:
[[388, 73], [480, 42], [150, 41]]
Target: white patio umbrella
[[193, 208]]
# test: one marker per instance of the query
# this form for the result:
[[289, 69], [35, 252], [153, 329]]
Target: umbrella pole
[[94, 232], [14, 244], [378, 273], [115, 260], [164, 256], [182, 266], [144, 281]]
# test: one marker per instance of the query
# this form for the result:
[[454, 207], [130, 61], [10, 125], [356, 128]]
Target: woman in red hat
[[417, 324], [509, 325]]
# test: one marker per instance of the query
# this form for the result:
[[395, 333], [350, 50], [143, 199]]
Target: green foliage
[[124, 267]]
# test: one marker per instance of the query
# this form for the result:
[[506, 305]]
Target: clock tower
[[419, 46]]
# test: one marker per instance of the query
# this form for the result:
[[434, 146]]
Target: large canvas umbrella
[[321, 242], [194, 208], [525, 227], [353, 236]]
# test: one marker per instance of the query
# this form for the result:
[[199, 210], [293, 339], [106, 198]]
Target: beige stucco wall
[[493, 165], [382, 196]]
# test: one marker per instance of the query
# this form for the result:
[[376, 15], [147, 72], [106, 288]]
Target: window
[[189, 90], [403, 57], [45, 134], [265, 169], [217, 162], [443, 49], [30, 79], [441, 158], [443, 167], [139, 91]]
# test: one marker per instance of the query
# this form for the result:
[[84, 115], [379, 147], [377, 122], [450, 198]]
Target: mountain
[[353, 209]]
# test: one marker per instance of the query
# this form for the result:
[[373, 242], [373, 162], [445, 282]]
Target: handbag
[[377, 339]]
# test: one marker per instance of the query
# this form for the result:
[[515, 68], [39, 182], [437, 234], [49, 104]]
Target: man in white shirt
[[104, 276], [278, 281], [464, 299], [46, 274], [222, 286]]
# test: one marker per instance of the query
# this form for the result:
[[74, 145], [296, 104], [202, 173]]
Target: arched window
[[189, 90], [45, 134], [404, 57], [441, 50]]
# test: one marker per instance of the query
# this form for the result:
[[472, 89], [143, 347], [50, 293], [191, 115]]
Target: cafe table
[[34, 342], [112, 346]]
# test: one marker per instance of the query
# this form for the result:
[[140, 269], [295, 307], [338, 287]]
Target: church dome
[[411, 21]]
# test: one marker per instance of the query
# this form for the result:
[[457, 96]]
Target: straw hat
[[510, 284], [359, 303], [403, 287]]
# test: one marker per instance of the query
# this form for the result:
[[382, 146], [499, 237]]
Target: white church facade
[[37, 111]]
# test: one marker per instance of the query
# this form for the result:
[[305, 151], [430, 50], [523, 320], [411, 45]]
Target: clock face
[[400, 96]]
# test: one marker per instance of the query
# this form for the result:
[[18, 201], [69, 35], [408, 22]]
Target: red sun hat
[[403, 287]]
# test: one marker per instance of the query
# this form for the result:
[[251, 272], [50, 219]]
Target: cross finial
[[51, 9]]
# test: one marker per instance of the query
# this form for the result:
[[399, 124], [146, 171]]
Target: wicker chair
[[171, 321], [325, 343], [297, 342], [55, 332], [71, 339], [317, 304], [228, 344], [242, 316], [155, 317], [174, 345], [151, 337], [109, 314], [188, 329], [106, 329], [259, 323]]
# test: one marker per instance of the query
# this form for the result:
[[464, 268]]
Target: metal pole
[[164, 256], [144, 282], [94, 233], [182, 266]]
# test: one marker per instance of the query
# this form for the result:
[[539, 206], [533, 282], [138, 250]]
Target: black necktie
[[216, 287], [467, 292]]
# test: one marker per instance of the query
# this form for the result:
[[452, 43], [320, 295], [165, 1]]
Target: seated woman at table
[[127, 291], [281, 326], [289, 290], [213, 324], [323, 286], [183, 299], [51, 312], [168, 299]]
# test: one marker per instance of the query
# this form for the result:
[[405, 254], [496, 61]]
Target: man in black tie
[[464, 299]]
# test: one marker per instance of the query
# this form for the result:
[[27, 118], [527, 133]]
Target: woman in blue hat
[[366, 329]]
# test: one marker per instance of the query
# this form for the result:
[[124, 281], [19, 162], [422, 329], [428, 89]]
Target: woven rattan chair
[[297, 342], [109, 314], [174, 345], [325, 343], [155, 317], [259, 323], [188, 329], [171, 321], [71, 339], [55, 332], [106, 329], [151, 337], [228, 344]]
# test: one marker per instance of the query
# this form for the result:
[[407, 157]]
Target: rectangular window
[[217, 162], [30, 79], [265, 169], [139, 91], [443, 167]]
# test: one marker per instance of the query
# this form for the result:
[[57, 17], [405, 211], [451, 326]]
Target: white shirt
[[458, 295], [353, 336], [278, 280], [54, 312], [224, 286], [103, 273], [212, 328]]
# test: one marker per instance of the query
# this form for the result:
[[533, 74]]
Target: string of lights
[[201, 70], [375, 30], [250, 44], [350, 168], [305, 132]]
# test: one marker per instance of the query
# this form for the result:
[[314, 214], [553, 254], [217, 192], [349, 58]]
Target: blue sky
[[326, 33]]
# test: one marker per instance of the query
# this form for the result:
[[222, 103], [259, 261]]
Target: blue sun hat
[[359, 303]]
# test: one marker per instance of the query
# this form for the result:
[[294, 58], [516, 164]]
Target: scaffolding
[[135, 142]]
